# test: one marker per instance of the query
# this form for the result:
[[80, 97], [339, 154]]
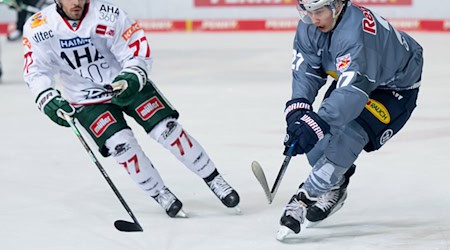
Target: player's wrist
[[44, 98], [297, 104]]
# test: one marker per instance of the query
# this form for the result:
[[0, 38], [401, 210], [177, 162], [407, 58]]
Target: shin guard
[[127, 152], [184, 147]]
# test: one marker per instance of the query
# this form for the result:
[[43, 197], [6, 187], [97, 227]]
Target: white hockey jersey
[[86, 55]]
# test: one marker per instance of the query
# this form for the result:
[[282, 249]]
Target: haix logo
[[378, 110], [149, 108], [74, 42], [99, 126]]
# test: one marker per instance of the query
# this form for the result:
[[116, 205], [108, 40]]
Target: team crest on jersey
[[37, 20], [95, 93], [99, 126], [343, 62], [104, 30], [378, 110], [147, 109]]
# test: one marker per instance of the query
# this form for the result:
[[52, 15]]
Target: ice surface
[[230, 89]]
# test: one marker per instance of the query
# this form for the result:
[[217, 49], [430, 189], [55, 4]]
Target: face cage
[[304, 13]]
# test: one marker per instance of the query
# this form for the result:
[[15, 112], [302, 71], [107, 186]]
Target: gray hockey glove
[[51, 103], [130, 81]]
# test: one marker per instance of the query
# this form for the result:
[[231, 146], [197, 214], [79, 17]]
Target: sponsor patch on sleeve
[[37, 20], [104, 30], [26, 42], [128, 33]]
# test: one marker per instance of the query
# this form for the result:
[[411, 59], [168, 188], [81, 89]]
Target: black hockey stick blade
[[261, 177], [126, 226]]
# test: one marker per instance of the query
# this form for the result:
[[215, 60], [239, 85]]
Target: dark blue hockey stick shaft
[[282, 170]]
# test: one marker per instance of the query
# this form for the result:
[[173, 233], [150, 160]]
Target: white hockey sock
[[127, 152], [171, 135]]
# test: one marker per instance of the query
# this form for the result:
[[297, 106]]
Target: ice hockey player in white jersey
[[377, 72], [94, 44]]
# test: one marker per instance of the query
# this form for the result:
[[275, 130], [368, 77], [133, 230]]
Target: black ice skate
[[294, 214], [326, 205], [329, 203], [227, 195], [170, 203]]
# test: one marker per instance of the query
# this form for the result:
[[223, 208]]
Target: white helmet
[[305, 6]]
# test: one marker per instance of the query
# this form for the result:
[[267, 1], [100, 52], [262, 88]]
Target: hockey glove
[[296, 107], [51, 103], [130, 81], [307, 130]]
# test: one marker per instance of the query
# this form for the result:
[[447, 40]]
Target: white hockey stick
[[261, 177]]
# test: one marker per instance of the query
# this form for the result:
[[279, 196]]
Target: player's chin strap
[[338, 16]]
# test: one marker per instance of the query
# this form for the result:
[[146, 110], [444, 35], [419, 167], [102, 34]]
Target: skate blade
[[182, 214], [283, 233], [311, 224], [237, 210]]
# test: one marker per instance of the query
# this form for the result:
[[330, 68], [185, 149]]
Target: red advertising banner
[[383, 2], [253, 3], [246, 3], [260, 25]]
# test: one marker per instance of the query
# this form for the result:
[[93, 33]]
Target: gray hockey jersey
[[363, 53]]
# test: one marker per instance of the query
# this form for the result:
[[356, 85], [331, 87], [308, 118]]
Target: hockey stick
[[121, 225], [261, 177]]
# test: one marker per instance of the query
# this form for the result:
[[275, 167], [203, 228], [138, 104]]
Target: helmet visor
[[307, 8]]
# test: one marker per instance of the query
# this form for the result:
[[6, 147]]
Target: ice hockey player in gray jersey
[[377, 72], [94, 44]]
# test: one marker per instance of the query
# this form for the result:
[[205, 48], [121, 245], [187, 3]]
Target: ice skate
[[294, 214], [326, 205], [170, 203], [329, 203], [227, 195], [14, 36]]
